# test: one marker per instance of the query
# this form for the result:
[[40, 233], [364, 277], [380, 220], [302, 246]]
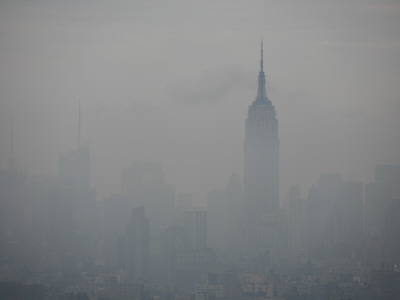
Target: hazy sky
[[171, 82]]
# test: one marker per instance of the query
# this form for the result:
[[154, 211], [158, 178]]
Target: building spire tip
[[261, 61], [79, 122], [261, 94]]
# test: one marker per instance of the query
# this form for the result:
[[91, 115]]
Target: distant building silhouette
[[143, 184], [378, 197], [195, 223], [74, 169], [137, 245], [61, 225], [381, 216], [333, 218], [75, 166], [261, 173], [296, 220], [217, 219], [224, 211], [392, 237]]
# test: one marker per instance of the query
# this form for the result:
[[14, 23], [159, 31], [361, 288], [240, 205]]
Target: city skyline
[[189, 85], [141, 157]]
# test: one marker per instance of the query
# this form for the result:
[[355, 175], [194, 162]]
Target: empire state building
[[261, 174]]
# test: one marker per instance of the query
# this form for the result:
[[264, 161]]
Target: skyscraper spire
[[12, 137], [12, 159], [261, 94], [261, 61], [79, 124]]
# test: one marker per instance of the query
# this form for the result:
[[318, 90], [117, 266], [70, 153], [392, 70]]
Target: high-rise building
[[261, 173], [137, 245], [333, 218], [352, 207], [378, 197], [74, 170], [61, 224], [392, 237], [224, 209], [143, 183], [195, 223], [380, 213], [296, 220], [217, 220], [75, 166]]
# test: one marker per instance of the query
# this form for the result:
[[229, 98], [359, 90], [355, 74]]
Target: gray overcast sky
[[171, 81]]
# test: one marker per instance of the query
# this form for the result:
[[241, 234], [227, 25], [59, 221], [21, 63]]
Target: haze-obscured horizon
[[171, 82]]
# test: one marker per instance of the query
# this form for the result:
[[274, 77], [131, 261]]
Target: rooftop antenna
[[79, 123], [12, 138], [261, 61], [12, 159], [261, 94]]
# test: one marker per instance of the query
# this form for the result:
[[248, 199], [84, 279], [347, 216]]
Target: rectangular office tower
[[261, 174], [195, 224], [137, 245]]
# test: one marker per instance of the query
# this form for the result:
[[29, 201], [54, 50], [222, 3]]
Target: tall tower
[[195, 223], [75, 165], [261, 173], [137, 255]]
